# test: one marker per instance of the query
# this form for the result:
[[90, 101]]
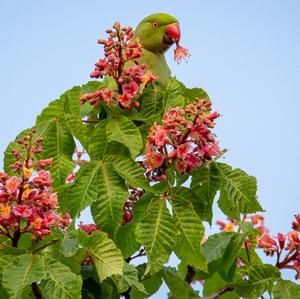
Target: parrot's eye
[[155, 25]]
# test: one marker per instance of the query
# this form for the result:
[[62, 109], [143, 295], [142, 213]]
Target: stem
[[219, 293], [36, 291], [190, 274], [287, 260], [141, 253], [89, 121], [45, 246], [16, 238]]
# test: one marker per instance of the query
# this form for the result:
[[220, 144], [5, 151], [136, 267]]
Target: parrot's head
[[158, 32]]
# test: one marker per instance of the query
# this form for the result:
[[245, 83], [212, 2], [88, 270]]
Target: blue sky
[[245, 54]]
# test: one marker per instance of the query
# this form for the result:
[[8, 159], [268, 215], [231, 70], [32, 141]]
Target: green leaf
[[238, 192], [131, 171], [8, 156], [98, 142], [126, 239], [215, 246], [157, 233], [179, 288], [286, 289], [21, 272], [233, 250], [173, 95], [107, 257], [84, 191], [149, 112], [58, 141], [69, 246], [108, 208], [191, 93], [128, 279], [123, 130], [151, 283], [261, 278], [191, 230], [215, 284], [60, 282], [205, 183]]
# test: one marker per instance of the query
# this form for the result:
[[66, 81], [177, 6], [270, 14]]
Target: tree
[[150, 172]]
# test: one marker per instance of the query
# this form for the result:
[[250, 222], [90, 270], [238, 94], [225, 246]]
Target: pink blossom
[[12, 184], [44, 163], [22, 211], [154, 159], [180, 53], [180, 165], [130, 89], [43, 178], [183, 150]]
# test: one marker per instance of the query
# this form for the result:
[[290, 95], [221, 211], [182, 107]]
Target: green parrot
[[157, 33]]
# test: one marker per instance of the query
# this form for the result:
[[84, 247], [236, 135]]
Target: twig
[[219, 293]]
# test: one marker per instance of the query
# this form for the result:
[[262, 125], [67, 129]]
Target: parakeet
[[157, 33]]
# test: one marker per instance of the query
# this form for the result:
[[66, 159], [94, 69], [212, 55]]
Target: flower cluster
[[135, 195], [184, 137], [89, 229], [231, 225], [287, 245], [27, 203], [118, 50]]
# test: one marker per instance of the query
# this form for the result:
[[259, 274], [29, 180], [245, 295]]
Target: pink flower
[[88, 228], [12, 184], [22, 211], [183, 150], [107, 95], [44, 163], [159, 134], [281, 240], [43, 178], [268, 244], [180, 165], [124, 100], [70, 178], [192, 161], [131, 89], [180, 53], [154, 159], [51, 200]]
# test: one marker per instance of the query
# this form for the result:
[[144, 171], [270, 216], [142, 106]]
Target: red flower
[[22, 211], [44, 163], [130, 89], [12, 184], [180, 53]]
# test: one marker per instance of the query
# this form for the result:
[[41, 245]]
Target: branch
[[190, 274], [36, 291], [219, 293]]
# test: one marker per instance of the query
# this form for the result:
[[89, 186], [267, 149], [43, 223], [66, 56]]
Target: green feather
[[153, 47]]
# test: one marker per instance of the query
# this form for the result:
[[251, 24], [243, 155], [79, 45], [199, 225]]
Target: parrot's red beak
[[173, 31]]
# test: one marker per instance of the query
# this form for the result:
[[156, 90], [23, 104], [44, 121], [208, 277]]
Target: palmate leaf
[[58, 141], [59, 145], [179, 288], [107, 257], [121, 129], [130, 171], [214, 247], [191, 93], [238, 192], [151, 283], [285, 289], [21, 272], [108, 208], [191, 230], [157, 233], [205, 183], [84, 191], [173, 95], [128, 279], [60, 281], [261, 278]]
